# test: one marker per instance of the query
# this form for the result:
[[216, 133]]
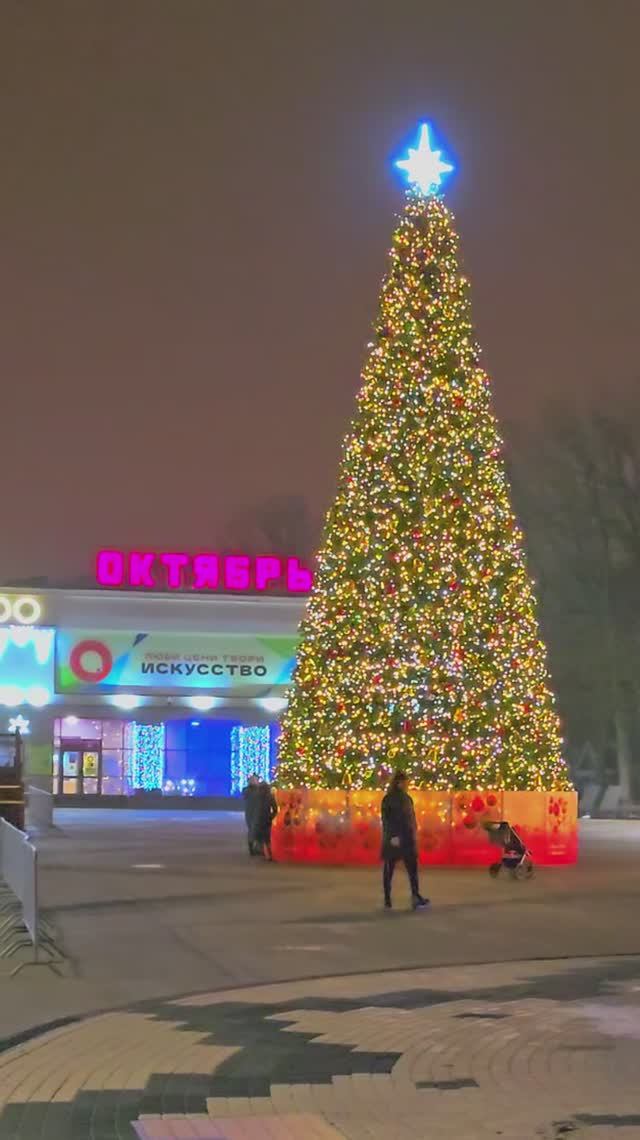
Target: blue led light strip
[[250, 747], [146, 758]]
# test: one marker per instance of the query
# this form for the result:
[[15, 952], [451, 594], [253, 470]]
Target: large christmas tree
[[420, 646]]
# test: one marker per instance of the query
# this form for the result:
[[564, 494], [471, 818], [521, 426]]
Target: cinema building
[[166, 680]]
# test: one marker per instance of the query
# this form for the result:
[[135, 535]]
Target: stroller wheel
[[494, 870], [524, 871]]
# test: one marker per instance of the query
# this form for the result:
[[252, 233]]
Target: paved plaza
[[516, 1050], [207, 995]]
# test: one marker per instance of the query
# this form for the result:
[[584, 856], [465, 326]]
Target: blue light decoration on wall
[[179, 788], [250, 748], [146, 753], [26, 666]]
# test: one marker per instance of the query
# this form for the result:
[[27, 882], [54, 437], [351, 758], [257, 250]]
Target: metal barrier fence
[[39, 810], [19, 869]]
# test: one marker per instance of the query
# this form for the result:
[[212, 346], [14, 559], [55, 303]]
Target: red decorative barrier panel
[[337, 827]]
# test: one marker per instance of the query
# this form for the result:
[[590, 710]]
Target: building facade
[[133, 691]]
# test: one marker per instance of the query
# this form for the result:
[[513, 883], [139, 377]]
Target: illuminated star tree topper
[[424, 166]]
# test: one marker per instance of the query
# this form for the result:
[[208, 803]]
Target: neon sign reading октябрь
[[176, 570]]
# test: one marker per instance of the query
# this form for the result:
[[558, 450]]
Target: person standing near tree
[[251, 797], [400, 839], [266, 812]]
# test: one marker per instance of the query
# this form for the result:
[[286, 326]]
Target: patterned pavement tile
[[537, 1051]]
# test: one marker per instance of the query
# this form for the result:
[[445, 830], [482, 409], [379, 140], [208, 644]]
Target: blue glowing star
[[424, 166]]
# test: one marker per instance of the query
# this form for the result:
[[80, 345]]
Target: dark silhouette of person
[[400, 839], [251, 796], [266, 812]]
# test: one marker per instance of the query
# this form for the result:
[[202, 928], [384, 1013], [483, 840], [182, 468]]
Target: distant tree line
[[576, 485]]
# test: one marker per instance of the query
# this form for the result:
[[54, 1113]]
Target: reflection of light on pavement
[[319, 949], [613, 1020], [148, 866]]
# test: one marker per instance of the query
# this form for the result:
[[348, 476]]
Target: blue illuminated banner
[[99, 661]]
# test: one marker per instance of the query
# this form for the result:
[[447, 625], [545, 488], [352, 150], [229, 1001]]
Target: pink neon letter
[[299, 579], [110, 567], [268, 569], [140, 564], [206, 571], [236, 572], [175, 564]]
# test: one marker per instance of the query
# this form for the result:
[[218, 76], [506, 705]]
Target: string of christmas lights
[[420, 646], [250, 754], [145, 750]]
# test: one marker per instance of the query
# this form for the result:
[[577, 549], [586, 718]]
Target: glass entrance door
[[78, 771]]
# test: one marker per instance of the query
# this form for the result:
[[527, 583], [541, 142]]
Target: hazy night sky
[[196, 203]]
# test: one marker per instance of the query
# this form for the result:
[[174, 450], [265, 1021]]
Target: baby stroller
[[516, 858]]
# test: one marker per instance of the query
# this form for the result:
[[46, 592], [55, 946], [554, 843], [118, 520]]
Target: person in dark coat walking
[[266, 812], [400, 839], [251, 795]]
